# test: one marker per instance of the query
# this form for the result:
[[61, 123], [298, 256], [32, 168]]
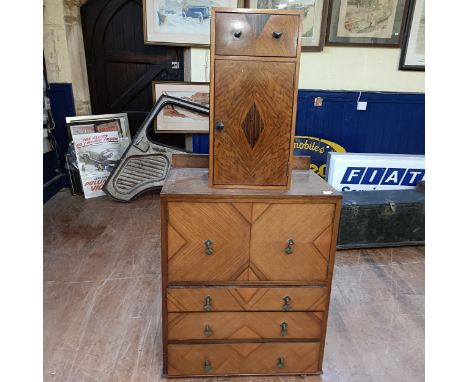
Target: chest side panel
[[254, 101]]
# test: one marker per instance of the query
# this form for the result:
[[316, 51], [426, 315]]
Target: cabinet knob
[[208, 247], [280, 364], [288, 250], [287, 303], [207, 365], [284, 329], [219, 125], [277, 34], [208, 332], [237, 34], [208, 303]]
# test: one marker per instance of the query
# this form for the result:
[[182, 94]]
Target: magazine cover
[[97, 154]]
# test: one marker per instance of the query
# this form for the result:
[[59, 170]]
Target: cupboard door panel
[[207, 241], [253, 146], [291, 242]]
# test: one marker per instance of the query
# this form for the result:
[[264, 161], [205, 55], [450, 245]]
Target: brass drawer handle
[[280, 364], [208, 247], [287, 303], [277, 34], [237, 34], [208, 303], [288, 250], [208, 332], [284, 329], [207, 365]]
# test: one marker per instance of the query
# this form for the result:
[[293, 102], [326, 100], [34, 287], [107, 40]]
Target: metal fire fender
[[145, 163]]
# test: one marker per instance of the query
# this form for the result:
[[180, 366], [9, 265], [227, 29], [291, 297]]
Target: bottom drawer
[[243, 358]]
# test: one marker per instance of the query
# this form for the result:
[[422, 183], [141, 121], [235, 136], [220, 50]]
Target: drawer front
[[244, 325], [246, 299], [291, 242], [256, 34], [207, 241], [243, 358]]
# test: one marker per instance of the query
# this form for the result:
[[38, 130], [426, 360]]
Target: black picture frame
[[405, 63], [335, 13]]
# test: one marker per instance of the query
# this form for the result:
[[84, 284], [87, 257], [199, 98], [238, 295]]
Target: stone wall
[[64, 49]]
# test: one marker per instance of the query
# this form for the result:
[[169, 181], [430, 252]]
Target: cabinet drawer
[[244, 325], [207, 241], [253, 34], [243, 358], [291, 242], [246, 299]]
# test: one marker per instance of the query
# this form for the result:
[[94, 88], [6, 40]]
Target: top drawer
[[256, 34]]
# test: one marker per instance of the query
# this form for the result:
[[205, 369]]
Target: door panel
[[120, 65], [309, 226], [191, 225], [253, 147]]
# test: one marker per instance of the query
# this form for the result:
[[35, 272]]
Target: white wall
[[337, 68]]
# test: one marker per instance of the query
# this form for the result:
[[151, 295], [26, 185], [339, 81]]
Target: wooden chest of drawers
[[246, 275], [254, 77]]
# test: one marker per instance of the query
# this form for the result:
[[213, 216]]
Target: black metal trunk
[[381, 219]]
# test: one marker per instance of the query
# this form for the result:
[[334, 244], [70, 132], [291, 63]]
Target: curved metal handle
[[284, 329], [208, 303], [237, 34], [207, 365], [208, 332], [208, 247], [287, 302], [288, 250], [280, 364], [277, 34]]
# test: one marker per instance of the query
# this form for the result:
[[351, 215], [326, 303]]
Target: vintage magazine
[[97, 154]]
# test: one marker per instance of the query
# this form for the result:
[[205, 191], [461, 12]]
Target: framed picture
[[174, 119], [314, 22], [372, 23], [413, 50], [180, 22]]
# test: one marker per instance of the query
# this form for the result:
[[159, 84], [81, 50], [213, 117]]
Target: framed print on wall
[[174, 119], [372, 23], [314, 22], [413, 50], [180, 23]]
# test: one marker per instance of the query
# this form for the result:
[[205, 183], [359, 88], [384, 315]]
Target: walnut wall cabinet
[[254, 76], [246, 275]]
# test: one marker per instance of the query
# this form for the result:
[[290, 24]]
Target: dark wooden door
[[253, 147], [121, 66]]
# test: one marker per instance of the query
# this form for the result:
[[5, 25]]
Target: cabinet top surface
[[194, 182]]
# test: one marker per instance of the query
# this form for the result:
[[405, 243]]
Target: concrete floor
[[102, 301]]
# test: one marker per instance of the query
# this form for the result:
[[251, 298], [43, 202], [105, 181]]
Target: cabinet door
[[207, 241], [291, 242], [254, 101]]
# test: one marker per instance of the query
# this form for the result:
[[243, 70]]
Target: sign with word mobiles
[[357, 172]]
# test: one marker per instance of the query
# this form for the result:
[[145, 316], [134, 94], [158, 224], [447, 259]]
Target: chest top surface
[[190, 182]]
